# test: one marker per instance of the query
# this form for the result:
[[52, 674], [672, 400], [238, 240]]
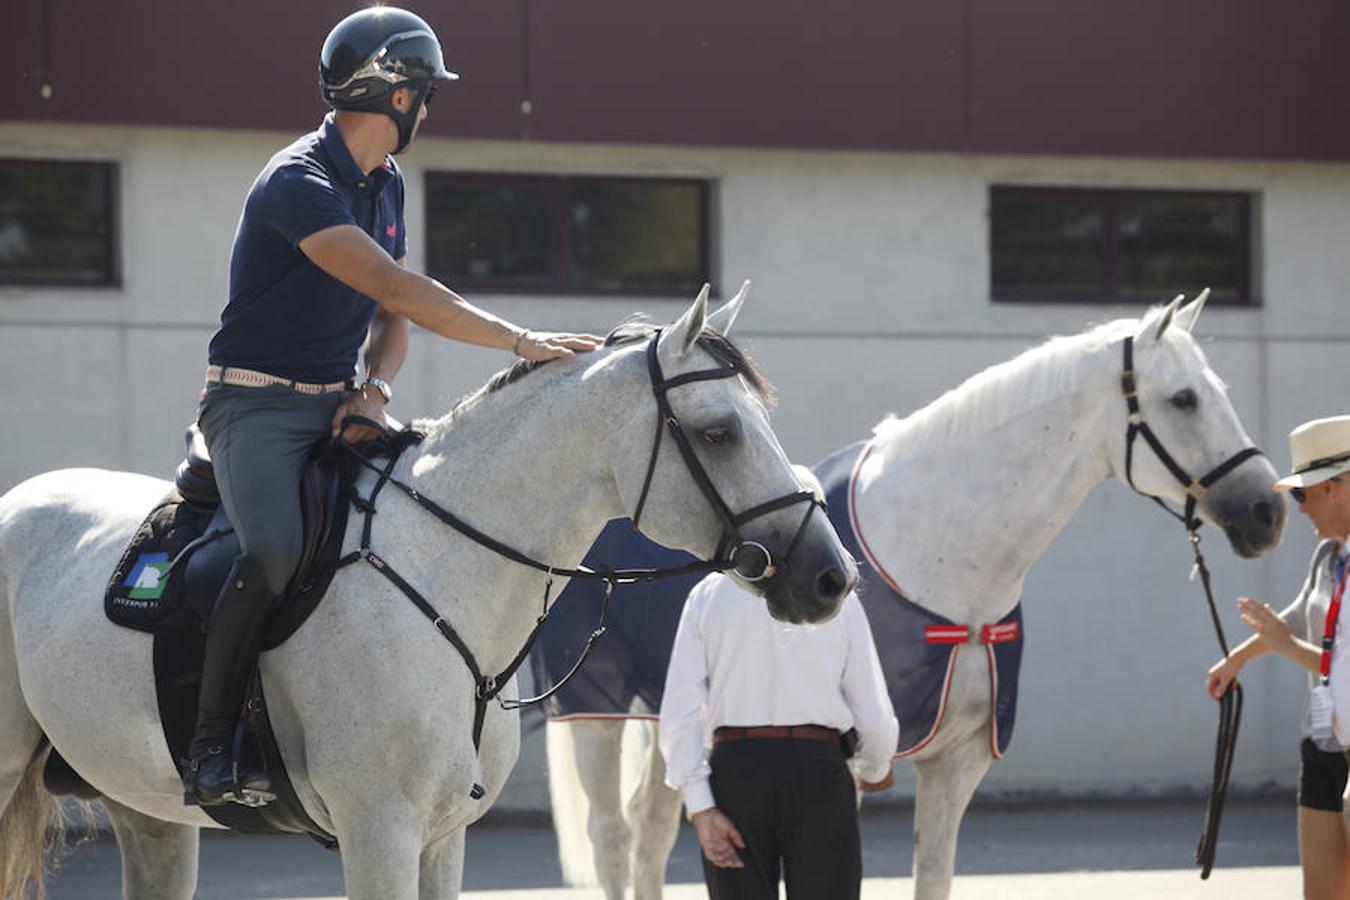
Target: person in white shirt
[[778, 705], [1321, 487]]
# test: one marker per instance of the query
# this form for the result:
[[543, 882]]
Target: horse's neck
[[522, 465], [957, 523]]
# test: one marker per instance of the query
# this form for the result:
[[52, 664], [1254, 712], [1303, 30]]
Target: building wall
[[870, 296]]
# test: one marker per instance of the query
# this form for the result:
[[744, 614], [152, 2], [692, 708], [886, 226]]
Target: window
[[551, 234], [1065, 244], [56, 223]]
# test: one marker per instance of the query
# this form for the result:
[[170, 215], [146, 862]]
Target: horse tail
[[31, 828], [570, 808]]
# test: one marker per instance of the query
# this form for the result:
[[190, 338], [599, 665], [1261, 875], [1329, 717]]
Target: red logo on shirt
[[391, 230]]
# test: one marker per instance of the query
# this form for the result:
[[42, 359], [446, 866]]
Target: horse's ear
[[722, 318], [680, 335], [1165, 318], [1186, 316]]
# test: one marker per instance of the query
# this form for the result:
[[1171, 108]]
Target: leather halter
[[1230, 704], [750, 559], [1137, 425]]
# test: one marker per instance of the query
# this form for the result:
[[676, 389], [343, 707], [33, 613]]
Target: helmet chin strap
[[406, 121]]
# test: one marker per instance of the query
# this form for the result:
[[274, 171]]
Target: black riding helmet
[[372, 53]]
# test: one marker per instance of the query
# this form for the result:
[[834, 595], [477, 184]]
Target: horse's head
[[699, 468], [1186, 408]]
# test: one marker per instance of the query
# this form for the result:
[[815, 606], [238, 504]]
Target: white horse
[[372, 708], [1026, 440]]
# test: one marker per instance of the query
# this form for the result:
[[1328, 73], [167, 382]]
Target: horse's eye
[[1185, 399], [718, 435]]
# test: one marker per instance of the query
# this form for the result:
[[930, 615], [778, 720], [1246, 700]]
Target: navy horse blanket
[[625, 674]]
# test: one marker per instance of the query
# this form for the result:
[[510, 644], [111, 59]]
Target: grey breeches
[[260, 438]]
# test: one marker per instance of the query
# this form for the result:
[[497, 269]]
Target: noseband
[[751, 560], [1137, 425], [1230, 704]]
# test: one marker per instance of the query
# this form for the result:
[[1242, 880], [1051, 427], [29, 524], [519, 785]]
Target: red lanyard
[[1333, 613]]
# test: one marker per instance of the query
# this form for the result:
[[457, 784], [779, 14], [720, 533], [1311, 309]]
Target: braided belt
[[252, 378]]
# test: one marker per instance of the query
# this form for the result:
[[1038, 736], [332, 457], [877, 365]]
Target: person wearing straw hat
[[1310, 632]]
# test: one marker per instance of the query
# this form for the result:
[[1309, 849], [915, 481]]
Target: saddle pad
[[139, 595], [626, 672], [918, 673]]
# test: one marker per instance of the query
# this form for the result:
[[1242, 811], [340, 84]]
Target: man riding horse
[[317, 266]]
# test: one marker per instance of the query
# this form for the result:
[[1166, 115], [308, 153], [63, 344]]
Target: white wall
[[871, 284]]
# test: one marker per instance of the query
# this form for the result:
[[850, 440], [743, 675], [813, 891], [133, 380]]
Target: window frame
[[560, 238], [112, 237], [1110, 200]]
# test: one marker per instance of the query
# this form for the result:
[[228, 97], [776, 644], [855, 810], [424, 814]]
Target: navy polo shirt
[[285, 315]]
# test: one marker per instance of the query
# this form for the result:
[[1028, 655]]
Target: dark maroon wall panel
[[752, 72], [237, 64], [21, 57], [1160, 77], [1222, 78]]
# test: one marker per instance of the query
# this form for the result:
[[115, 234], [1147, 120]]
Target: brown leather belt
[[238, 377], [809, 732]]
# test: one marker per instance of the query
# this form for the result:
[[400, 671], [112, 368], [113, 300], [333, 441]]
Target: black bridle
[[1137, 426], [1230, 705], [751, 560]]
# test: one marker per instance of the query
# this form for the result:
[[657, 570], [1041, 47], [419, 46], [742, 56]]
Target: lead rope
[[1230, 717], [1230, 704]]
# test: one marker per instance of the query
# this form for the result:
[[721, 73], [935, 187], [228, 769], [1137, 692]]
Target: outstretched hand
[[538, 346], [718, 838], [1266, 622]]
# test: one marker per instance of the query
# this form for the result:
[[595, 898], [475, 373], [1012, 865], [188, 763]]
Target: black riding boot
[[232, 645]]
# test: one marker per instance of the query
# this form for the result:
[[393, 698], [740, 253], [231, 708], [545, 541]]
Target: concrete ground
[[1072, 850]]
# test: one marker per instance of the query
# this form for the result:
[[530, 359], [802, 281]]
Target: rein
[[1230, 705], [751, 560]]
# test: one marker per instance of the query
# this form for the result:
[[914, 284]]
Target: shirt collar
[[346, 167]]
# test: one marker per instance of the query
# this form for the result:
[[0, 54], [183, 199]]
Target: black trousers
[[793, 801]]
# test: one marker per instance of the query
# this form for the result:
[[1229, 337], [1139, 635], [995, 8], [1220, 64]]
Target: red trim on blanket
[[1000, 633], [853, 520], [942, 707], [993, 698], [946, 634]]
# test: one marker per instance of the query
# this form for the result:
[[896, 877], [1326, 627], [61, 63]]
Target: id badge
[[1320, 707]]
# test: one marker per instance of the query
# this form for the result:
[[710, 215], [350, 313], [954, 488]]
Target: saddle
[[166, 584]]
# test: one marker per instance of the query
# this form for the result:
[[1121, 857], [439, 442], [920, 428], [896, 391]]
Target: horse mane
[[718, 345], [1005, 391]]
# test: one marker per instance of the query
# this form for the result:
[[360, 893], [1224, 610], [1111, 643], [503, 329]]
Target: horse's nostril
[[1264, 512], [831, 583]]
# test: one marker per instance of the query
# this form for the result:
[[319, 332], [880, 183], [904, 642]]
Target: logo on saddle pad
[[145, 578]]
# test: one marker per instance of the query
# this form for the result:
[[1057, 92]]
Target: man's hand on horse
[[538, 346], [367, 403], [718, 838], [873, 787]]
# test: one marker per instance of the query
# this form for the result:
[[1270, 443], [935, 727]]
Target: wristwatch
[[382, 386]]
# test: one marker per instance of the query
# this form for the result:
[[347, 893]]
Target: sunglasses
[[431, 92], [1299, 494]]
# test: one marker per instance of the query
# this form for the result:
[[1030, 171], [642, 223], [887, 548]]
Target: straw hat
[[1320, 449]]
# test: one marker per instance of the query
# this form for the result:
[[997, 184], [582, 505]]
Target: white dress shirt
[[733, 664]]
